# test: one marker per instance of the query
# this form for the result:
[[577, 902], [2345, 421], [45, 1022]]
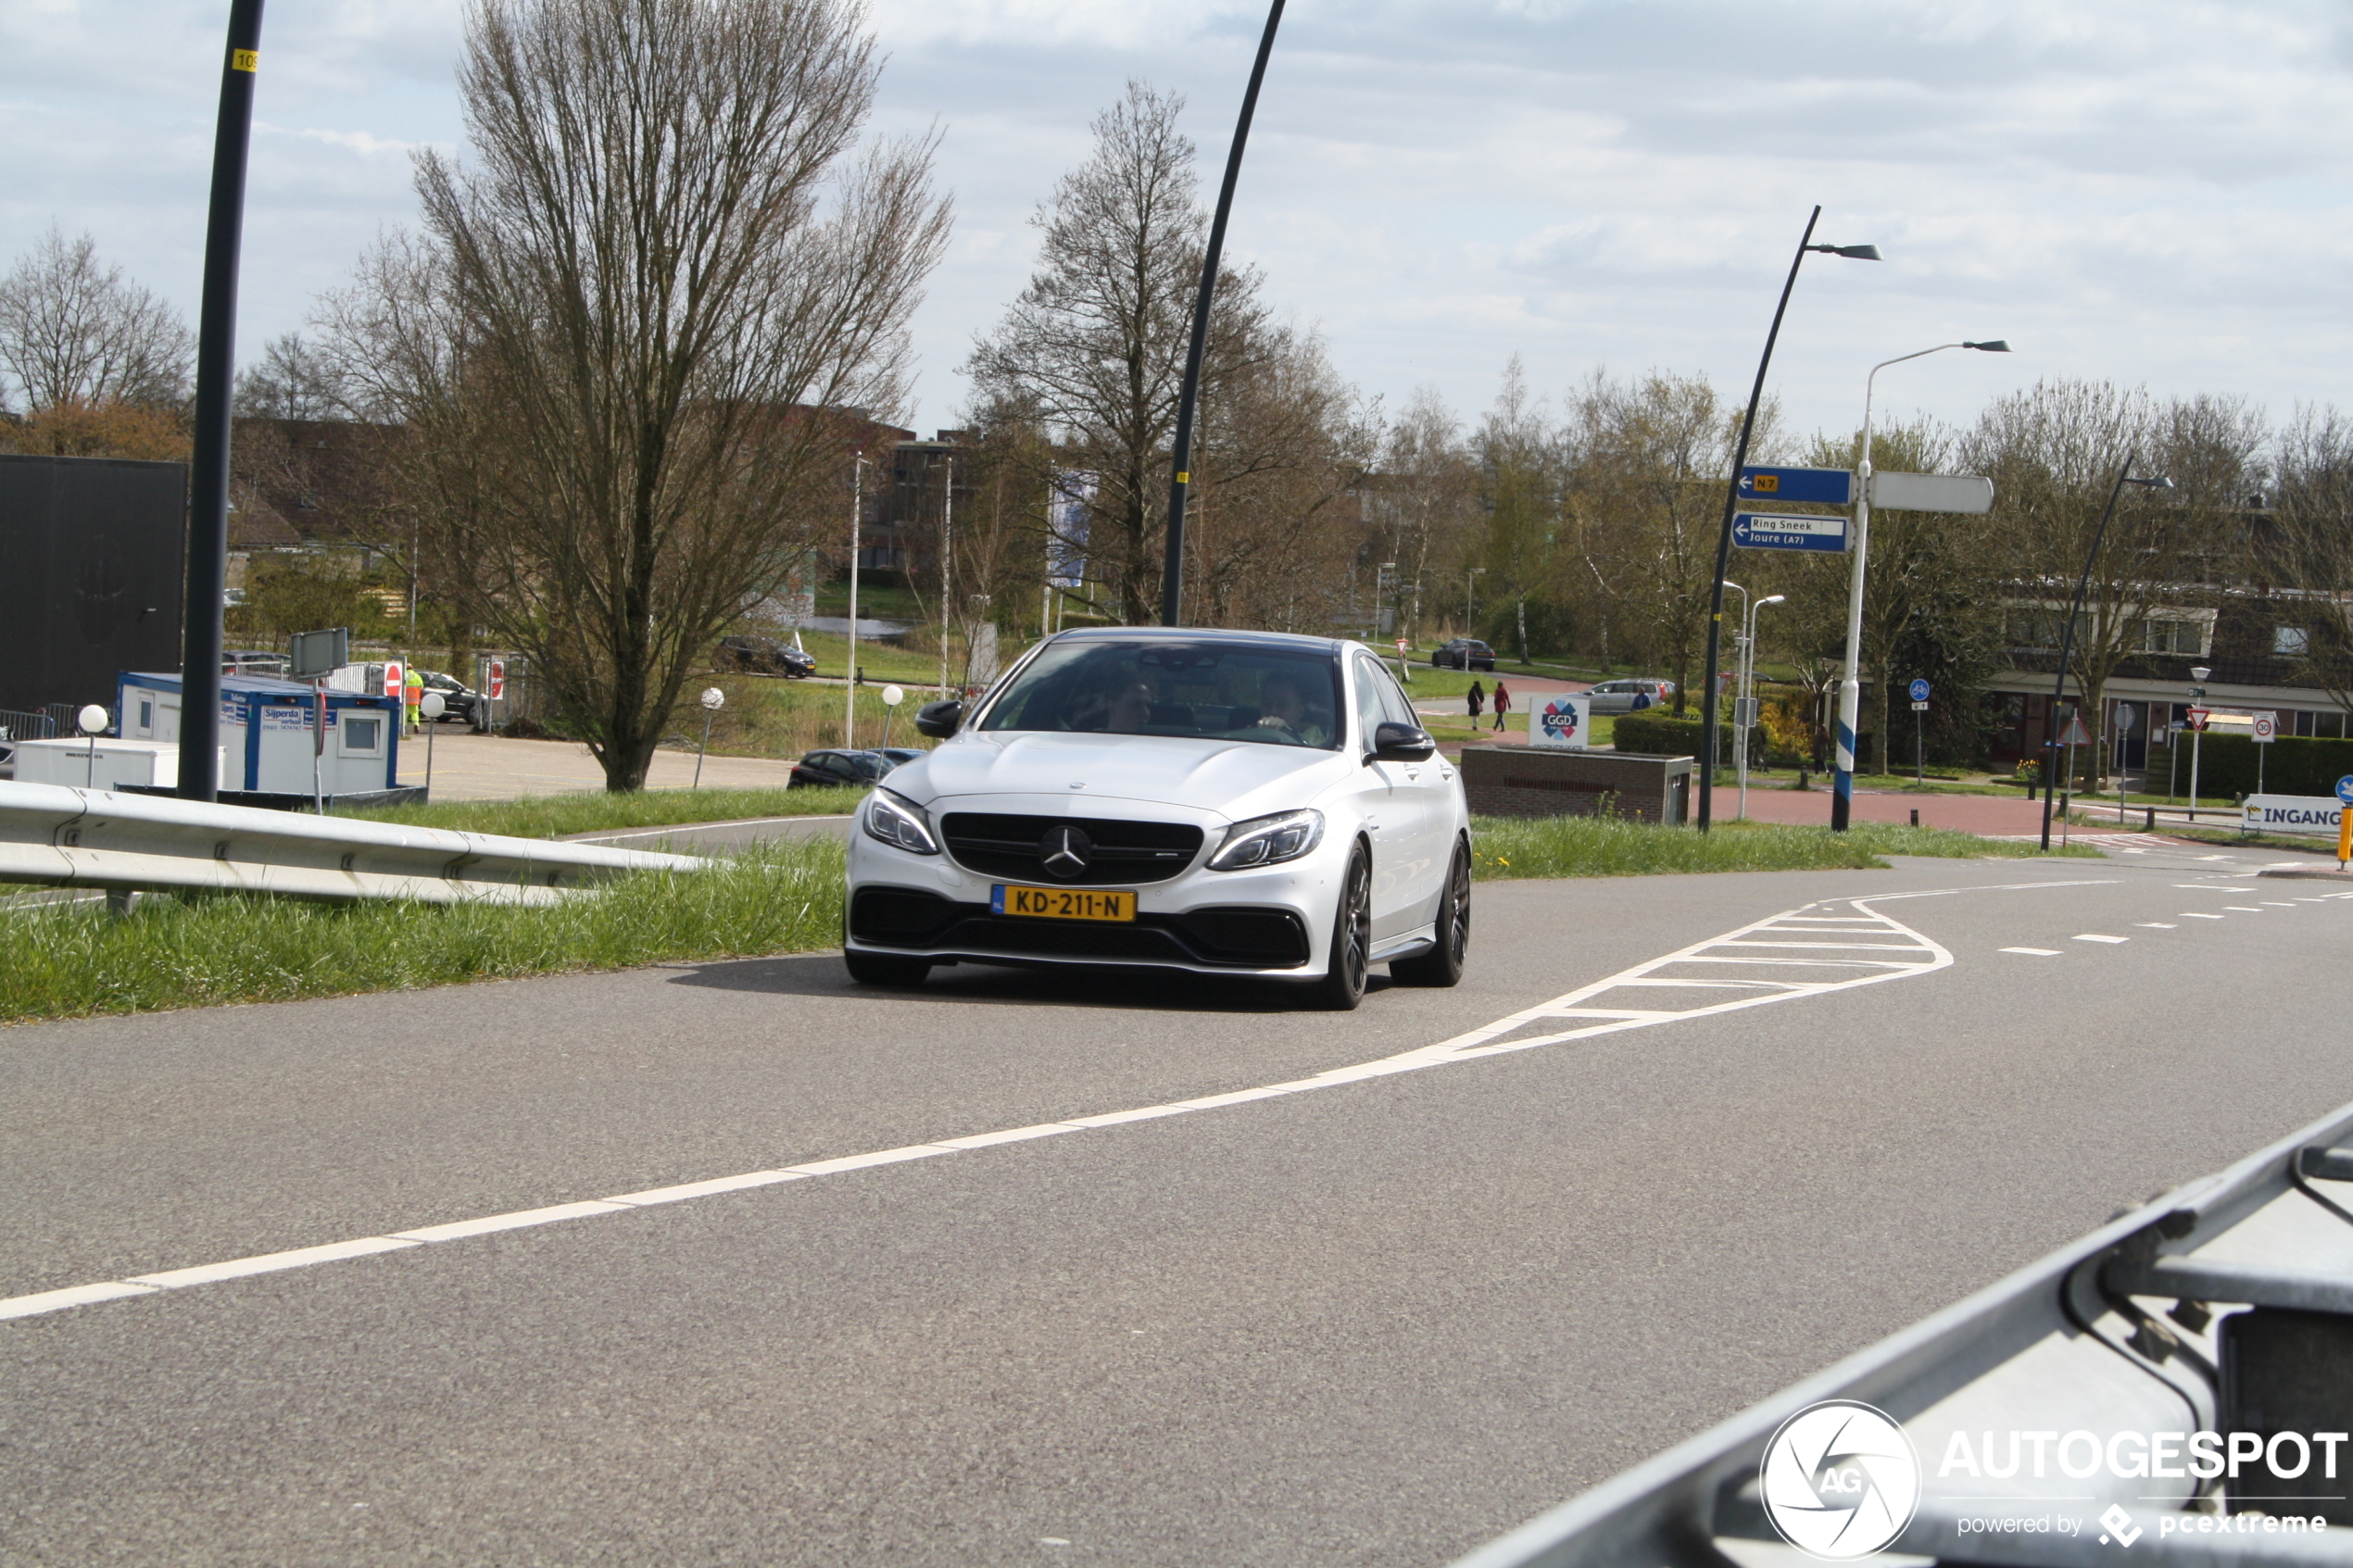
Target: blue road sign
[[1825, 487], [1757, 531], [2345, 789], [1920, 691]]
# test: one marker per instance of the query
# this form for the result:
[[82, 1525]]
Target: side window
[[1399, 710], [1369, 709]]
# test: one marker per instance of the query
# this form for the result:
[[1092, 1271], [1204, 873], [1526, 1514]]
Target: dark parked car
[[1462, 653], [897, 753], [764, 656], [458, 700], [835, 769]]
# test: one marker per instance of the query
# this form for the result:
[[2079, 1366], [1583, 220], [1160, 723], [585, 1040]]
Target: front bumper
[[1275, 921]]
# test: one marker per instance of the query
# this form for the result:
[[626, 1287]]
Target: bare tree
[[1094, 348], [74, 332], [619, 348], [2311, 551], [2052, 452], [292, 380], [1424, 500]]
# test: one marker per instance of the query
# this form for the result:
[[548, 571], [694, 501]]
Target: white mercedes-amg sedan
[[1219, 802]]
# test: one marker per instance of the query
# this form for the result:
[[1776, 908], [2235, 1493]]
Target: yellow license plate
[[1062, 903]]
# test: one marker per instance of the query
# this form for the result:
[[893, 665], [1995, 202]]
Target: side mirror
[[1402, 743], [939, 719]]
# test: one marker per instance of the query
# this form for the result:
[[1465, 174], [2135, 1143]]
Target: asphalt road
[[1376, 1319]]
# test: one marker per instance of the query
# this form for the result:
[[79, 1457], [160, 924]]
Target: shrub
[[1661, 735]]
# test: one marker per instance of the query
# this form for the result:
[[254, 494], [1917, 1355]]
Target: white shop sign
[[1561, 720], [2292, 813]]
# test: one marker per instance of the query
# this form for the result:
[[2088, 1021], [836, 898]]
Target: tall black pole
[[2067, 647], [216, 370], [1724, 543], [1172, 580]]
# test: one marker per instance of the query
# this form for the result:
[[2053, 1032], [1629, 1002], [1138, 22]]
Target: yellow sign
[[245, 59], [1064, 903], [1183, 477], [1767, 484]]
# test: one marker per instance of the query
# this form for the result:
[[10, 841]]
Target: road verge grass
[[63, 960], [595, 811], [1563, 847]]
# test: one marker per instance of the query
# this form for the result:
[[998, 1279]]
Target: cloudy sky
[[2154, 191]]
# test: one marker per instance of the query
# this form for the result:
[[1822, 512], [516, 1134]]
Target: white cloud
[[2156, 193]]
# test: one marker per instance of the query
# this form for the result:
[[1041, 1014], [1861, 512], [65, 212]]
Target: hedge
[[1659, 735], [2308, 765]]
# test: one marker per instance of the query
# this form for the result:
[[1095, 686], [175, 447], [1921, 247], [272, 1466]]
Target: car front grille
[[1215, 938], [1123, 853]]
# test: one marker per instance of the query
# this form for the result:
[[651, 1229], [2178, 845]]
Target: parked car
[[764, 656], [1236, 803], [254, 661], [1462, 653], [1631, 697], [833, 768], [897, 753], [459, 701]]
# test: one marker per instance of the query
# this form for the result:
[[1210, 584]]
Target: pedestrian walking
[[1478, 698], [413, 694], [1503, 703]]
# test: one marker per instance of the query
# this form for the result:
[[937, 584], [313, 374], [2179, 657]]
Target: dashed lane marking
[[2094, 937], [2243, 908], [2158, 924], [2036, 952], [1719, 964], [2193, 915]]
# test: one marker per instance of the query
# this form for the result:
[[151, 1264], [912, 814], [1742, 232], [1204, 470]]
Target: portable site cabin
[[266, 736]]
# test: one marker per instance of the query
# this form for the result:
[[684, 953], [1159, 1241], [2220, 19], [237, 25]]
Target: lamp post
[[1470, 621], [1172, 581], [1708, 750], [1732, 490], [1850, 690], [849, 659], [2198, 672], [2067, 641], [1744, 712]]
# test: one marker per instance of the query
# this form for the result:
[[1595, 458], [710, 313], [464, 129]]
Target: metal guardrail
[[60, 838], [2224, 1307]]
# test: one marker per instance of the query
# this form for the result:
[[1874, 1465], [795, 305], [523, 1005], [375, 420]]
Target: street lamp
[[1743, 709], [1850, 691], [2067, 643], [1741, 621], [1732, 491], [1470, 621], [2198, 672]]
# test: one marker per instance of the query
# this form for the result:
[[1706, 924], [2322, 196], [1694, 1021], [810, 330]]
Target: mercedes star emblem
[[1064, 849]]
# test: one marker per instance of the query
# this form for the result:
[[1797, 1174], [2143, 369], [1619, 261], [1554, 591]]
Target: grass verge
[[1612, 847], [67, 960], [556, 816]]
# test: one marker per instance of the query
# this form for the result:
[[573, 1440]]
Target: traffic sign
[[2076, 734], [1933, 493], [1919, 707], [1825, 487], [2198, 715], [498, 680], [2124, 720], [2267, 726], [1757, 531], [2345, 789], [1920, 690]]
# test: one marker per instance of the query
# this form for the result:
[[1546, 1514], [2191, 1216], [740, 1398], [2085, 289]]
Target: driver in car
[[1125, 707], [1286, 709]]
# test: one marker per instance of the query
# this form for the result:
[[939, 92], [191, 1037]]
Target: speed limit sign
[[2267, 726]]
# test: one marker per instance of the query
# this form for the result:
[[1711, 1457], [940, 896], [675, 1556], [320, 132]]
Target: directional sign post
[[1821, 487], [1920, 742], [1760, 531], [2266, 727]]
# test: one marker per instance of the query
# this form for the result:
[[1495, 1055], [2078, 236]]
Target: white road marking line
[[519, 1218], [2210, 887], [2094, 936], [2243, 908], [2277, 904], [2158, 924], [2193, 914], [271, 1262], [2036, 952], [1488, 1040]]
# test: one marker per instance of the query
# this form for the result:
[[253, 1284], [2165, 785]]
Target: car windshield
[[1264, 693]]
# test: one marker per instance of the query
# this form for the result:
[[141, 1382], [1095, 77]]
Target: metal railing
[[59, 837], [2223, 1307]]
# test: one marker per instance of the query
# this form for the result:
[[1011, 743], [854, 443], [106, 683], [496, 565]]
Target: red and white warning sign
[[394, 679], [2267, 727], [2198, 715], [498, 680]]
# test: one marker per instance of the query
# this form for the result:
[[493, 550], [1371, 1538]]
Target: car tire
[[874, 968], [1343, 985], [1442, 965]]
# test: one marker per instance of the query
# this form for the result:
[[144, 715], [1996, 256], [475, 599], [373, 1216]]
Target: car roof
[[1199, 634]]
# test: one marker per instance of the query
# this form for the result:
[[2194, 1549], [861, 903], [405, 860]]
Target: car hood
[[1232, 779]]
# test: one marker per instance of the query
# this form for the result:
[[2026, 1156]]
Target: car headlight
[[1267, 841], [900, 822]]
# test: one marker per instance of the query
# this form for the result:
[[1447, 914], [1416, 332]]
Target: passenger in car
[[1286, 709]]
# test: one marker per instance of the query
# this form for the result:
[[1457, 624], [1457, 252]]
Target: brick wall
[[1519, 780]]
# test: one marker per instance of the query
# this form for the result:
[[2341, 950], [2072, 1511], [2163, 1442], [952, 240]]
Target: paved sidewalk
[[472, 767], [1989, 814]]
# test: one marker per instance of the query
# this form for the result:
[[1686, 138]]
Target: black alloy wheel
[[875, 969], [1442, 965], [1343, 985]]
